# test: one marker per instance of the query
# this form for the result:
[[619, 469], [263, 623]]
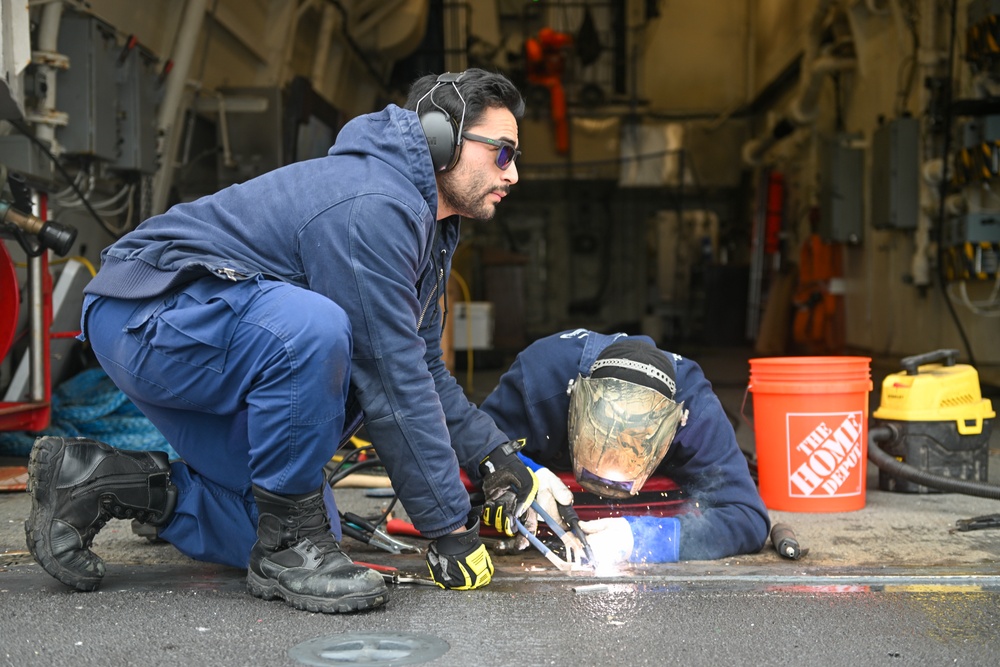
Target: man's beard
[[469, 201]]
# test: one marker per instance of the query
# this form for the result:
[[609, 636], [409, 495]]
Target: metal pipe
[[36, 314], [323, 45], [48, 43], [928, 58], [376, 16], [802, 109], [184, 48], [227, 153]]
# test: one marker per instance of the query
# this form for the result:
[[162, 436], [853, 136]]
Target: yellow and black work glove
[[460, 560], [509, 487]]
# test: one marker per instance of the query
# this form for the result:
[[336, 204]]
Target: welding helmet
[[622, 418]]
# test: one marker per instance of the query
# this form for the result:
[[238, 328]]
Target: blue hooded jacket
[[358, 226], [704, 459]]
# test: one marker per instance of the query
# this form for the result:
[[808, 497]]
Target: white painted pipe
[[183, 54], [48, 29], [933, 170], [48, 43], [323, 45], [802, 110]]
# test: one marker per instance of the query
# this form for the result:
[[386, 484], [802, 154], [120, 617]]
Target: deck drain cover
[[379, 648]]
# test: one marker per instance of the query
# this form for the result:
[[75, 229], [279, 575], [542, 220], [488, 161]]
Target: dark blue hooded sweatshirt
[[358, 226]]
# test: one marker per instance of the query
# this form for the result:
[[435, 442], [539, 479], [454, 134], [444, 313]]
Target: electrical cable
[[339, 472], [904, 87], [72, 199], [113, 200], [335, 474], [75, 258], [68, 190], [989, 307]]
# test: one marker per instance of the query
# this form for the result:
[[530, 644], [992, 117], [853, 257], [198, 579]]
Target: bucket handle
[[743, 407]]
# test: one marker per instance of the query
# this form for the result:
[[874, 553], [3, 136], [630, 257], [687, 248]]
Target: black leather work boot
[[77, 485], [297, 558]]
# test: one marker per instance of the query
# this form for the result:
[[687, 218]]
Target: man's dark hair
[[481, 90]]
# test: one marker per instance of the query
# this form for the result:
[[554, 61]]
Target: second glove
[[555, 500], [460, 560], [611, 539], [634, 539], [509, 487], [552, 493]]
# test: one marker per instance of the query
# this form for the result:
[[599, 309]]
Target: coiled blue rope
[[89, 405]]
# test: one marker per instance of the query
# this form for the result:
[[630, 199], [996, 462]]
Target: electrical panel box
[[138, 91], [841, 187], [895, 178], [973, 228], [87, 90], [972, 246]]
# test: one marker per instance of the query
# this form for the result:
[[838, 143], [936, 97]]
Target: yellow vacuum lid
[[935, 392]]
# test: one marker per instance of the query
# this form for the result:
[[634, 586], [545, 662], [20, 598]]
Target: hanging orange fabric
[[819, 314], [546, 62]]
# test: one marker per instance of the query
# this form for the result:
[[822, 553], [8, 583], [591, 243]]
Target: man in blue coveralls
[[253, 323], [614, 409]]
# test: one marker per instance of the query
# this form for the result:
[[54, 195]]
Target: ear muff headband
[[444, 137]]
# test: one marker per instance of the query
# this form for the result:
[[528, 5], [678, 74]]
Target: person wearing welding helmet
[[260, 326], [614, 409]]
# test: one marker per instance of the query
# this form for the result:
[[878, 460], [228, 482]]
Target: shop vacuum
[[931, 431]]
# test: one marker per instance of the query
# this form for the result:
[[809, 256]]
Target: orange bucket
[[811, 431]]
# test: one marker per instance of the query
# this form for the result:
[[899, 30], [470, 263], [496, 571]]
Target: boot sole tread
[[269, 590], [40, 475]]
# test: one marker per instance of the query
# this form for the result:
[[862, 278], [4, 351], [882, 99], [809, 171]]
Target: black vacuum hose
[[891, 466]]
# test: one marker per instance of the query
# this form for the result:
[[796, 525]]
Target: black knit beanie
[[639, 363]]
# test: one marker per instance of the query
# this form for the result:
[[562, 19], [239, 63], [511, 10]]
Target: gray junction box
[[87, 91], [895, 174], [841, 187]]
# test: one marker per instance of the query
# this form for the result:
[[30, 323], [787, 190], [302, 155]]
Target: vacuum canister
[[942, 421]]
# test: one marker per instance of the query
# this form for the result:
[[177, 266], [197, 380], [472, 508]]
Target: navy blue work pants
[[247, 380]]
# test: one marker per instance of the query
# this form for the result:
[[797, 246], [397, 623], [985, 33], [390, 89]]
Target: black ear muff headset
[[444, 135]]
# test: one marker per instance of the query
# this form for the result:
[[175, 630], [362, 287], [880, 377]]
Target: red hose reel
[[10, 300]]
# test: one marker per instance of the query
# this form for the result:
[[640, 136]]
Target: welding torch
[[572, 519], [560, 564], [574, 541]]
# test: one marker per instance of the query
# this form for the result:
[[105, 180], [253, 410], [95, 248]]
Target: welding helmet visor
[[619, 430]]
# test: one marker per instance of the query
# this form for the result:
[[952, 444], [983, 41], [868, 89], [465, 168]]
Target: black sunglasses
[[507, 154]]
